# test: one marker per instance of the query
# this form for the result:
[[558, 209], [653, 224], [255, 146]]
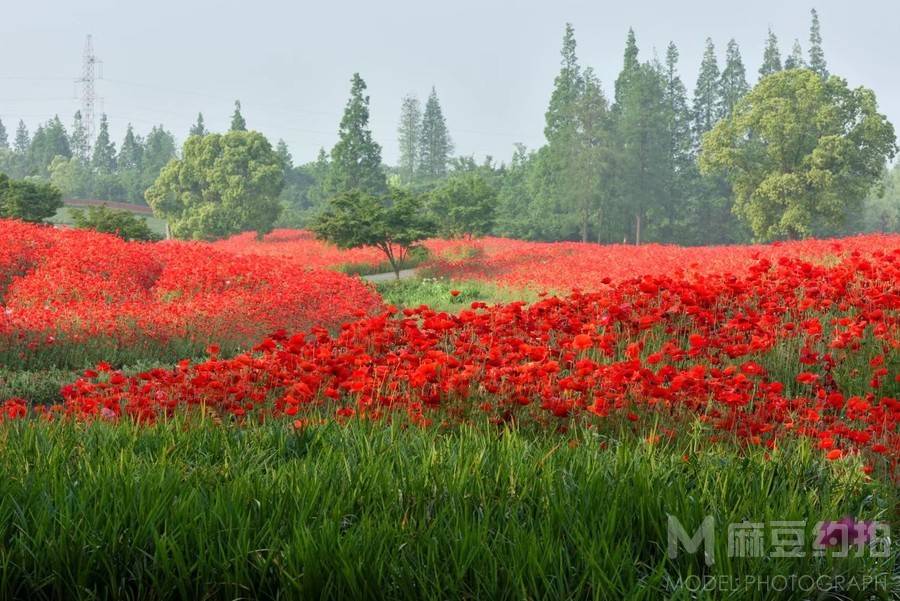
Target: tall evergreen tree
[[560, 115], [733, 82], [356, 158], [643, 164], [23, 141], [104, 158], [795, 59], [50, 141], [771, 62], [131, 151], [159, 149], [4, 138], [81, 146], [435, 145], [198, 128], [237, 119], [284, 154], [680, 171], [816, 53], [408, 133], [707, 93], [629, 66]]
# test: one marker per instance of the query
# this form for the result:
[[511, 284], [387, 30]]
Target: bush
[[28, 201], [121, 223]]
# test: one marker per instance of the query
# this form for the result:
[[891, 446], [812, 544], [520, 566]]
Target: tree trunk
[[637, 229]]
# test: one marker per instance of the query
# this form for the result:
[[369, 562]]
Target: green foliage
[[50, 140], [123, 224], [222, 185], [393, 224], [733, 81], [464, 204], [799, 149], [408, 133], [4, 137], [198, 128], [356, 158], [707, 93], [28, 200], [435, 145], [771, 62], [104, 157], [377, 511], [436, 293], [237, 119], [816, 54]]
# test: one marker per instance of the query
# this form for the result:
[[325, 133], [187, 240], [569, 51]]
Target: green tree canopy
[[198, 128], [799, 150], [408, 133], [394, 223], [27, 200], [816, 53], [356, 158], [771, 62], [435, 145], [223, 184], [237, 119], [104, 159], [464, 204]]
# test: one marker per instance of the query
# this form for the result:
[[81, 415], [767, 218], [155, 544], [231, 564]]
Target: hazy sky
[[290, 63]]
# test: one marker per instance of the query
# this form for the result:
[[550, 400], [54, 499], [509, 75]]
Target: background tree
[[356, 158], [681, 174], [4, 137], [795, 59], [28, 201], [771, 62], [799, 150], [129, 166], [816, 53], [124, 224], [104, 159], [198, 128], [394, 224], [237, 119], [408, 134], [707, 93], [733, 82], [50, 140], [22, 141], [81, 146], [435, 145], [222, 185], [464, 204]]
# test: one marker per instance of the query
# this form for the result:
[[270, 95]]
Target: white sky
[[290, 62]]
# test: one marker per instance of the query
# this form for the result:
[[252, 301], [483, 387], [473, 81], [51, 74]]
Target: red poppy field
[[754, 344], [296, 432]]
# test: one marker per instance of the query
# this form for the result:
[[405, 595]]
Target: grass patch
[[383, 512], [436, 293], [64, 217]]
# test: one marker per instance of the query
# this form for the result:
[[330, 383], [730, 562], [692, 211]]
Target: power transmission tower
[[88, 97]]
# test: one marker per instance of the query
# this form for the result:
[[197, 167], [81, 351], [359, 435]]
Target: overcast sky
[[290, 63]]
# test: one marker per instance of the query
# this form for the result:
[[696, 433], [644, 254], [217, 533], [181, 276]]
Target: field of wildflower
[[241, 420]]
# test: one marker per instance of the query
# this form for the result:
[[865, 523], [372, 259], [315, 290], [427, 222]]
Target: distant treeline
[[625, 168]]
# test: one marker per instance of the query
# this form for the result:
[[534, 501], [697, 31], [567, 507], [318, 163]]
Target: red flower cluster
[[299, 246], [80, 287], [560, 266], [778, 349]]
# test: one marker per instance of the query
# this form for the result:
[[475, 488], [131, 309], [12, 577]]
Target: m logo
[[705, 535]]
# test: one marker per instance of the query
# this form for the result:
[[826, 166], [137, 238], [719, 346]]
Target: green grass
[[435, 292], [64, 217], [383, 512]]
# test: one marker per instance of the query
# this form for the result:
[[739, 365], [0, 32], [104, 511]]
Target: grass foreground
[[362, 510]]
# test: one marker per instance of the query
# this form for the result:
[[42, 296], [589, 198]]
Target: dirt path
[[389, 276]]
